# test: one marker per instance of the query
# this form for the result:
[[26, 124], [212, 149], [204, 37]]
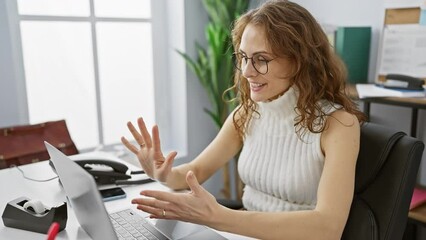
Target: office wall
[[351, 13]]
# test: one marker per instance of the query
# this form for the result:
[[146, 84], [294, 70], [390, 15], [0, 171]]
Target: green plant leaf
[[213, 65], [195, 68]]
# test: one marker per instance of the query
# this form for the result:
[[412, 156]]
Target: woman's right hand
[[149, 152]]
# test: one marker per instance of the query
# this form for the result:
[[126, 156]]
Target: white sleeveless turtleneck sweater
[[280, 171]]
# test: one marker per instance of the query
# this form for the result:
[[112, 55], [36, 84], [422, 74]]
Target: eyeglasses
[[259, 62]]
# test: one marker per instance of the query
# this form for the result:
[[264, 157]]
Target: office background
[[370, 13], [199, 129]]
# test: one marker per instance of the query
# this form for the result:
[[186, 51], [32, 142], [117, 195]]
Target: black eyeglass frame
[[235, 58]]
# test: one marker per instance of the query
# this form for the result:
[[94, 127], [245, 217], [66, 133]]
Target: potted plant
[[213, 65]]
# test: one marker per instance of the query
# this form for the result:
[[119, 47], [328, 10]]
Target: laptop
[[84, 198]]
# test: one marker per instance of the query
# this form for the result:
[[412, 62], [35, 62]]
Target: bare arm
[[340, 143], [218, 152]]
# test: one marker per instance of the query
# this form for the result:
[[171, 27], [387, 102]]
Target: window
[[99, 64]]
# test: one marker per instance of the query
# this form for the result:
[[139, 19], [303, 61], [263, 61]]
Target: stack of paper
[[372, 90]]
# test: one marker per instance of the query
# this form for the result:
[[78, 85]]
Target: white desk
[[14, 185]]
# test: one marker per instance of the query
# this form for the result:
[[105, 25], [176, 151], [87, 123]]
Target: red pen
[[53, 231]]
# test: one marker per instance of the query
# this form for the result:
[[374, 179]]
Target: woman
[[298, 131]]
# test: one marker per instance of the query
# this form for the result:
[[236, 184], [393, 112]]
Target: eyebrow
[[241, 51], [255, 53]]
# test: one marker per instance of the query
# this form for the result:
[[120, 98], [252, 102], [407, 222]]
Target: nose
[[248, 70]]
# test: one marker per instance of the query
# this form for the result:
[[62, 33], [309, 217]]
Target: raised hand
[[196, 206], [149, 151]]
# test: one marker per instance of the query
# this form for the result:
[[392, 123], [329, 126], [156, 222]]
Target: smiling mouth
[[257, 85]]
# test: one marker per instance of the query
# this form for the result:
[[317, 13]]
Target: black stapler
[[403, 82]]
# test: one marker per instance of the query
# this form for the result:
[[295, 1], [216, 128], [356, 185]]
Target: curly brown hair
[[318, 73]]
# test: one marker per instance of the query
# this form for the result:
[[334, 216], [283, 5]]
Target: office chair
[[386, 173]]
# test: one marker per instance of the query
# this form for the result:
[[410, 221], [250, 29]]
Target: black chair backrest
[[386, 174]]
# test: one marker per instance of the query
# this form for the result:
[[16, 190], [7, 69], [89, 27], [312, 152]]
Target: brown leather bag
[[25, 144]]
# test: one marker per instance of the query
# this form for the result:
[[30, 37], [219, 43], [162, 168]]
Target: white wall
[[351, 13]]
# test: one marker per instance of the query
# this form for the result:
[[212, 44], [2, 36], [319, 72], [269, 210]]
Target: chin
[[258, 98]]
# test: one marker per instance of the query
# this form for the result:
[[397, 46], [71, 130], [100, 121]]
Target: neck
[[277, 96]]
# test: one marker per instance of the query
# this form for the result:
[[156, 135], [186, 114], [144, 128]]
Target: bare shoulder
[[235, 115], [341, 119], [342, 129], [341, 137]]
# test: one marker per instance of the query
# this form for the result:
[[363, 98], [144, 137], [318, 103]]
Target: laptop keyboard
[[130, 226]]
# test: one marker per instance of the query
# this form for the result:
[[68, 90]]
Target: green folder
[[352, 44]]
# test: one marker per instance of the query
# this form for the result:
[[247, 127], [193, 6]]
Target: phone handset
[[116, 166], [96, 167], [118, 175]]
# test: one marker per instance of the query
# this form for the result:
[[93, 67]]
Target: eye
[[245, 58], [260, 58]]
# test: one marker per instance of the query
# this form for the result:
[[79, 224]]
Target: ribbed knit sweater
[[281, 171]]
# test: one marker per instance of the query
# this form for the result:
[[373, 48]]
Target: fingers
[[156, 139], [142, 138], [157, 208], [193, 183], [170, 159], [129, 146], [160, 195], [139, 139], [157, 213], [151, 202], [145, 133]]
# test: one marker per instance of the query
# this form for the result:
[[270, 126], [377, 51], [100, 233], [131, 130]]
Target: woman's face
[[263, 87]]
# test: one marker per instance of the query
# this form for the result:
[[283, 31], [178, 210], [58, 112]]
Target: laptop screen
[[83, 195]]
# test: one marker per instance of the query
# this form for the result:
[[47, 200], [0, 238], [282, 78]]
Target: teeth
[[256, 84]]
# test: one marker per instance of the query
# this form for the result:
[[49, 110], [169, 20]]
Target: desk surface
[[14, 185], [418, 213], [397, 101]]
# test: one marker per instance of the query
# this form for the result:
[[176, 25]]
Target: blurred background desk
[[414, 103]]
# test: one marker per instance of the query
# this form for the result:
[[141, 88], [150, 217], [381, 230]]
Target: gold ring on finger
[[164, 213]]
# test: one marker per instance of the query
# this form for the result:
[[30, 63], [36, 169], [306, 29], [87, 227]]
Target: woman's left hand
[[197, 206]]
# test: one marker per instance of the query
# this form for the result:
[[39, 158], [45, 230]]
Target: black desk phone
[[403, 82], [109, 172], [104, 171]]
